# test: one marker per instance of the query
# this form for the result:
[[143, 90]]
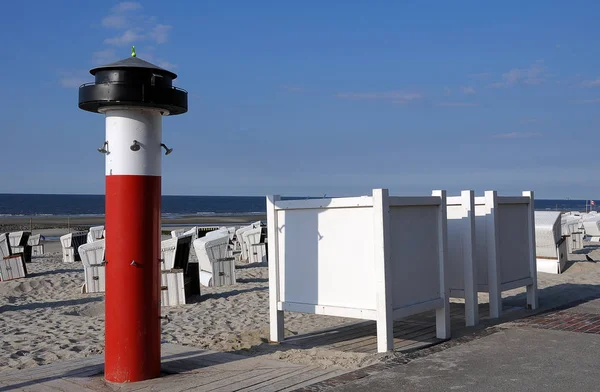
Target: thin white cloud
[[104, 56], [400, 97], [114, 21], [126, 6], [517, 135], [592, 83], [149, 56], [533, 75], [160, 33], [595, 100], [447, 91], [166, 65], [73, 79], [458, 104], [128, 37], [467, 90], [132, 28]]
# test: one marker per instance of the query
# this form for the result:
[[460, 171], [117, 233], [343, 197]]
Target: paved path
[[557, 351]]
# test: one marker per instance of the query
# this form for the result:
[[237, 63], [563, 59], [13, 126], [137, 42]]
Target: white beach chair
[[550, 244], [240, 242], [37, 249], [179, 278], [95, 233], [255, 244], [177, 232], [19, 244], [216, 266], [92, 257], [12, 266], [592, 229], [571, 225], [70, 245]]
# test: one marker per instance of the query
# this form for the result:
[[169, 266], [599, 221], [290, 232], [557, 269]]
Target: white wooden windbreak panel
[[414, 238], [482, 223], [460, 266], [338, 257], [513, 247], [457, 220], [342, 238]]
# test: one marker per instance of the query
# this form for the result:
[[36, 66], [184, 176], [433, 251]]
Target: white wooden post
[[382, 256], [470, 266], [275, 315], [532, 297], [442, 315], [491, 205]]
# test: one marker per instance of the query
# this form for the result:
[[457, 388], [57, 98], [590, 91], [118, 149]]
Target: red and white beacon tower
[[133, 95]]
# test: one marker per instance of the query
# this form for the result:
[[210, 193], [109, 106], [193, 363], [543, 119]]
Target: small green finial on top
[[133, 51]]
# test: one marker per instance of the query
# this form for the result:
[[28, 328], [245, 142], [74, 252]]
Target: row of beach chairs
[[216, 249], [16, 249], [558, 235]]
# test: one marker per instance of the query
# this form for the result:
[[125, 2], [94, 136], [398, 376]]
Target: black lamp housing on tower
[[133, 82]]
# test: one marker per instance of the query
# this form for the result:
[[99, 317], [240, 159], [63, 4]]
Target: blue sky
[[315, 97]]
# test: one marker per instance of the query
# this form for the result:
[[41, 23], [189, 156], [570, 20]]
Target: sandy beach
[[44, 318]]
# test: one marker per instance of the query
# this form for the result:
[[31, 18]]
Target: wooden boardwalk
[[192, 369], [411, 333], [184, 369]]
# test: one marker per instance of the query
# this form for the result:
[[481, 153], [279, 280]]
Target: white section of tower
[[133, 127]]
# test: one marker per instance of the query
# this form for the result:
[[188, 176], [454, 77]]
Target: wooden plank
[[202, 360], [310, 373], [421, 344], [63, 385], [326, 331], [326, 375], [366, 346], [171, 383], [243, 380], [76, 366], [336, 336], [264, 379], [350, 345], [226, 378], [50, 372], [262, 386]]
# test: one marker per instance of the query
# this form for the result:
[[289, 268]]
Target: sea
[[177, 206]]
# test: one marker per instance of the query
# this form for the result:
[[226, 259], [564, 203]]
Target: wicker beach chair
[[592, 229], [240, 245], [70, 245], [550, 244], [19, 244], [95, 233], [12, 266], [92, 256], [179, 278], [217, 266], [254, 240], [37, 248]]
